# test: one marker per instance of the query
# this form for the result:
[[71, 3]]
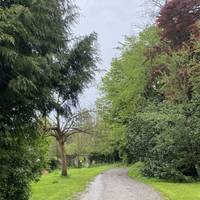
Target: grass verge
[[55, 187], [171, 191]]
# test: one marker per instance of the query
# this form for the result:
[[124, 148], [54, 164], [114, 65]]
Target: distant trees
[[63, 127], [152, 91], [101, 142]]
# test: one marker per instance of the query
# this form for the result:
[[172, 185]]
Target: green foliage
[[33, 33], [152, 91], [79, 144], [169, 190], [124, 84], [168, 123], [53, 149], [108, 142], [175, 151], [101, 144], [21, 161], [139, 138], [123, 91], [73, 70]]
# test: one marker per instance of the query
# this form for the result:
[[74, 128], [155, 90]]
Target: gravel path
[[116, 185]]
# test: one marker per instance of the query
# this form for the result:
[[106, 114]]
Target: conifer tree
[[32, 35]]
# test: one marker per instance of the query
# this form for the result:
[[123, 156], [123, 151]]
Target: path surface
[[116, 185]]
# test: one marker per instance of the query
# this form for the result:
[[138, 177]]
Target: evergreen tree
[[33, 33]]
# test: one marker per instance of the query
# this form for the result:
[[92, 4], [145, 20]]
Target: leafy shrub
[[21, 161], [53, 163], [139, 139], [170, 146]]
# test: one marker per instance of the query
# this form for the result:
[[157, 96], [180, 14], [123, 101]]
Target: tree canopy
[[39, 60], [152, 91]]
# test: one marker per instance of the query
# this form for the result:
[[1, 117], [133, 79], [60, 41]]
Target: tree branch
[[158, 3], [75, 131]]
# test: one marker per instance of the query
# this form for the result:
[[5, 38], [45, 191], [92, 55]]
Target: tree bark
[[198, 169], [63, 157]]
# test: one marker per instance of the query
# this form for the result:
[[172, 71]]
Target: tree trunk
[[63, 157], [198, 169]]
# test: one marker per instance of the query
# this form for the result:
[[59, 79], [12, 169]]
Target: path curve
[[116, 185]]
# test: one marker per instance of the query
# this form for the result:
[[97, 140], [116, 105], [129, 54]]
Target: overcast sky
[[111, 19]]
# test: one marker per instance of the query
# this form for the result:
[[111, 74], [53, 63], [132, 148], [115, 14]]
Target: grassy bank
[[55, 187], [171, 191]]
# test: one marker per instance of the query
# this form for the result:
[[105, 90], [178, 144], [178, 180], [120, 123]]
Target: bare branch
[[159, 3], [51, 129], [68, 127], [71, 120], [76, 131], [51, 134]]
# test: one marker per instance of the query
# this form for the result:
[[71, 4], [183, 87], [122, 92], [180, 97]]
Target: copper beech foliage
[[178, 21], [179, 29]]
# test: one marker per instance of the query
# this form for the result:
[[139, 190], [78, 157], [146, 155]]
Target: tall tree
[[178, 21], [33, 33], [75, 68], [63, 126], [123, 87], [152, 90]]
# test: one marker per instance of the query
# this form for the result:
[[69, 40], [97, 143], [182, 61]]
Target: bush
[[139, 139], [168, 142], [53, 163], [21, 161]]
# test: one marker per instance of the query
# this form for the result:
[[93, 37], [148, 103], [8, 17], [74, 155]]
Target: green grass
[[55, 187], [171, 191]]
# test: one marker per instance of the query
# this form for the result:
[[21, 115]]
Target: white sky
[[111, 19]]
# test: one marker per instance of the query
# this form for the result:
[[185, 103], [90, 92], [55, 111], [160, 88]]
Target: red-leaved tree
[[178, 21]]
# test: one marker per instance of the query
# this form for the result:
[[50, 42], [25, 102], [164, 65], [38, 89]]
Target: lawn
[[171, 191], [55, 187]]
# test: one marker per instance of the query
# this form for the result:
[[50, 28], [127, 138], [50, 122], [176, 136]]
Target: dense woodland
[[149, 110], [151, 94]]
